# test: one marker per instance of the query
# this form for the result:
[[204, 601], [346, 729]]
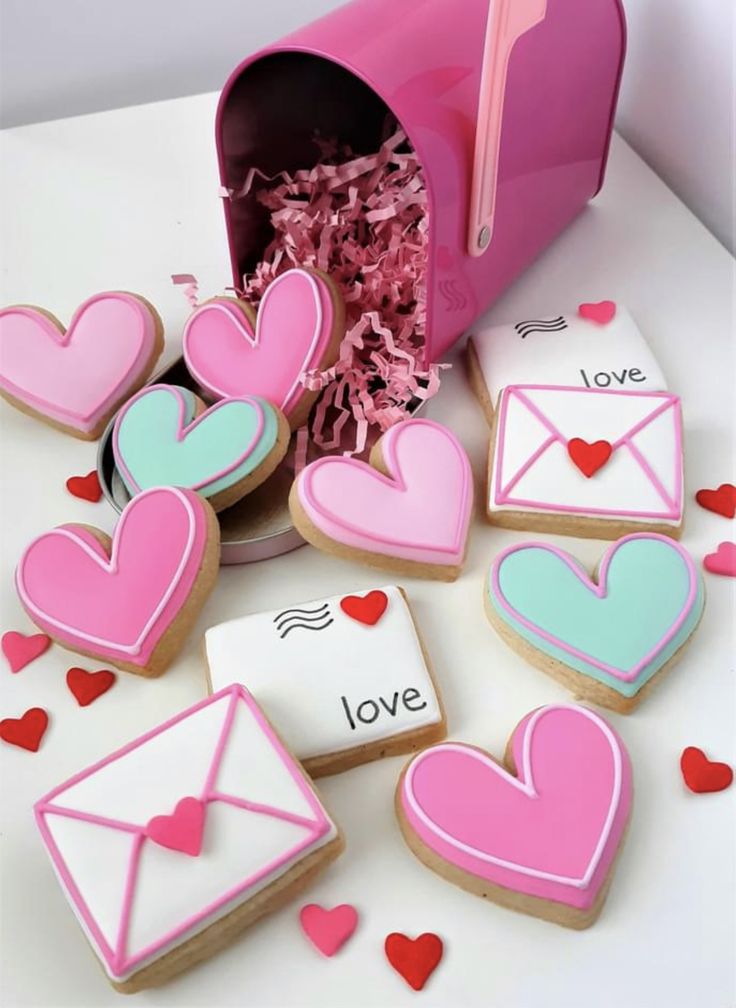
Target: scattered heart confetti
[[702, 775], [21, 649], [328, 930], [182, 830], [414, 959], [86, 487], [589, 458], [26, 731], [367, 609], [722, 500], [88, 686], [601, 311], [723, 561]]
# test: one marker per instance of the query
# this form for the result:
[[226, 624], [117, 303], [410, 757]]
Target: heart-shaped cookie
[[128, 601], [166, 437], [408, 510], [299, 325], [539, 835], [602, 638], [76, 379]]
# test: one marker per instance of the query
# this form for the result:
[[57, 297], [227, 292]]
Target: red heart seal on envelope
[[589, 458], [601, 312]]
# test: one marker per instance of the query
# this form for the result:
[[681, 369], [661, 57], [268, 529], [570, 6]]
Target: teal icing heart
[[157, 441], [648, 600]]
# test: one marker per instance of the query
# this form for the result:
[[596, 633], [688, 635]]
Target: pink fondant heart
[[76, 377], [182, 830], [601, 311], [723, 561], [420, 512], [21, 650], [293, 331], [328, 930], [553, 830], [117, 606]]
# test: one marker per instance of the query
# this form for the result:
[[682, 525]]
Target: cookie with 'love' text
[[347, 678]]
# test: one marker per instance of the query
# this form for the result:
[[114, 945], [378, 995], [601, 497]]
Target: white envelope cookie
[[597, 346], [169, 847], [599, 464], [346, 679]]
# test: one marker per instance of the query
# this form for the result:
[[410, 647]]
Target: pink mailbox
[[509, 107]]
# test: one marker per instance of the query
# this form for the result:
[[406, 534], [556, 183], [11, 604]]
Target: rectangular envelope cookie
[[175, 843], [346, 679]]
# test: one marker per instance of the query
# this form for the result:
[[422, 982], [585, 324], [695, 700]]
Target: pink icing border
[[600, 590], [183, 431], [83, 422], [324, 310], [117, 959], [503, 496], [389, 454], [94, 550], [620, 795]]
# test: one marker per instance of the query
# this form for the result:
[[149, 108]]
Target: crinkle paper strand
[[363, 221]]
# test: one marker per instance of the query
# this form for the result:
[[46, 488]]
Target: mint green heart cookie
[[159, 440], [617, 632]]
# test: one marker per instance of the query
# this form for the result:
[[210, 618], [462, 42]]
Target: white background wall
[[66, 57]]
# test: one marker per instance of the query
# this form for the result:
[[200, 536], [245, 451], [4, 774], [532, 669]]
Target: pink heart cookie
[[233, 352], [182, 830], [131, 600], [540, 837], [76, 379], [409, 510]]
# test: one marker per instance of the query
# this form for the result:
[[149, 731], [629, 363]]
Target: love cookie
[[408, 510], [128, 600], [76, 379], [299, 326], [165, 436], [605, 638], [539, 834]]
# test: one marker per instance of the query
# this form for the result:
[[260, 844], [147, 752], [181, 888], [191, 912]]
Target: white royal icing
[[326, 678], [568, 350], [623, 488]]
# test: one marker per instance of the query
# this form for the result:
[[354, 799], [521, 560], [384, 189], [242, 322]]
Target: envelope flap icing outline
[[217, 727], [643, 426]]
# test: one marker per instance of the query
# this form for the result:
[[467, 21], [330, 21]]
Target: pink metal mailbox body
[[422, 59]]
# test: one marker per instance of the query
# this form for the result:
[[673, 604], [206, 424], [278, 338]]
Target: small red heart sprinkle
[[87, 686], [86, 487], [703, 775], [723, 561], [600, 311], [367, 609], [589, 458], [414, 959], [722, 500], [328, 930], [26, 731], [21, 650]]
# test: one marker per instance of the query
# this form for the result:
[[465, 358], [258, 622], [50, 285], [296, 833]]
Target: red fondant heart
[[600, 311], [87, 487], [182, 830], [21, 650], [415, 960], [367, 609], [589, 458], [722, 500], [328, 930], [26, 731], [87, 686], [701, 774]]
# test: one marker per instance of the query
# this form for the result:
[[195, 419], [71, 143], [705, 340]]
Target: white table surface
[[122, 200]]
